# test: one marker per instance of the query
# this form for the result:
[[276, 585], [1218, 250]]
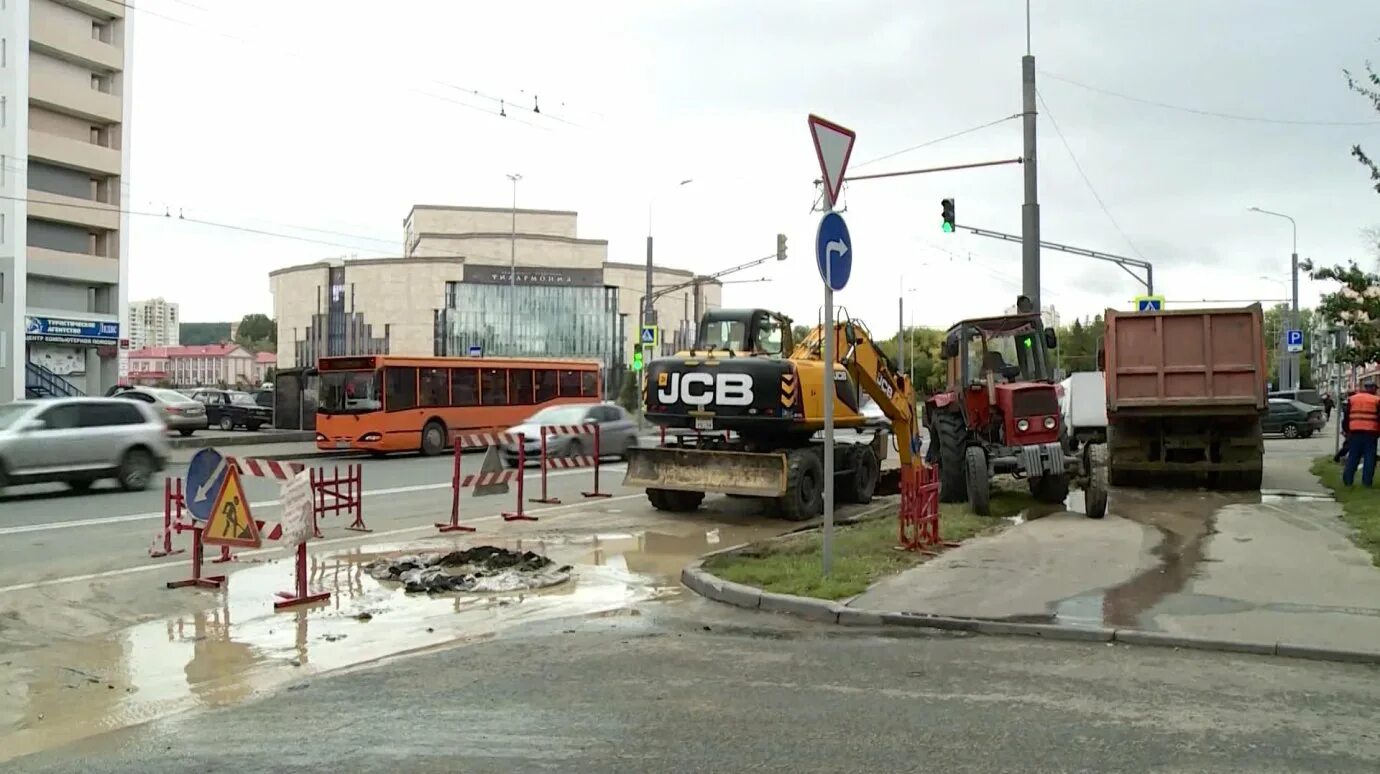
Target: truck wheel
[[1095, 490], [1050, 489], [674, 500], [859, 486], [804, 497], [948, 426], [979, 482]]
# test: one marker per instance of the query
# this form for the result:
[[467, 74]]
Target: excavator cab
[[739, 332]]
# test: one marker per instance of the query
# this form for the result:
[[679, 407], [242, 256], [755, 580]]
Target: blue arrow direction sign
[[834, 251], [205, 475], [1294, 341]]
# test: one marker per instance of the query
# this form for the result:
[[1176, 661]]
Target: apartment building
[[64, 164], [153, 323]]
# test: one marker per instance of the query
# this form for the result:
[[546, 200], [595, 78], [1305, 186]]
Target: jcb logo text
[[698, 389]]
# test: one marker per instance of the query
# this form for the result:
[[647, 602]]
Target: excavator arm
[[879, 377]]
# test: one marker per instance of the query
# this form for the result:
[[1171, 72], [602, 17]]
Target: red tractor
[[1001, 414]]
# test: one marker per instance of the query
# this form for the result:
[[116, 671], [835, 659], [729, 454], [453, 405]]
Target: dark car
[[229, 409], [1292, 418], [1310, 397]]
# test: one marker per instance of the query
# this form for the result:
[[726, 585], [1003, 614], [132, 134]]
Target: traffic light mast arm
[[1126, 264], [711, 277]]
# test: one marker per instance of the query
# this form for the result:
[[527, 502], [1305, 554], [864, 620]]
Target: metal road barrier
[[570, 461], [919, 512], [492, 479]]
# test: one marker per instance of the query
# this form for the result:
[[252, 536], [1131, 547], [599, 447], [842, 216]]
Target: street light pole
[[1292, 358], [512, 270], [648, 311], [1030, 211]]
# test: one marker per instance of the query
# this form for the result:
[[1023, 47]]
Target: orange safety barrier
[[570, 461], [459, 480], [919, 512]]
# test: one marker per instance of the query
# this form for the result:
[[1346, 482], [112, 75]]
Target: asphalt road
[[48, 532], [691, 686]]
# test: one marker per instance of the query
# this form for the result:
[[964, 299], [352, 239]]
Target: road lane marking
[[26, 528], [331, 541]]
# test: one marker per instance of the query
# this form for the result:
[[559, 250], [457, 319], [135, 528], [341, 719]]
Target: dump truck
[[746, 404], [1186, 391]]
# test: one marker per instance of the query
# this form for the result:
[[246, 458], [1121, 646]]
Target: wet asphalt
[[691, 686]]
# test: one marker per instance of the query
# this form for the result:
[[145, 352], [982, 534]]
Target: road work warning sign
[[231, 523]]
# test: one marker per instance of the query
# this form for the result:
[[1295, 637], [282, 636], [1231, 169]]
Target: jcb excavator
[[755, 400]]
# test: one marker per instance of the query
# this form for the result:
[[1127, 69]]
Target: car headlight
[[1023, 425], [1050, 422]]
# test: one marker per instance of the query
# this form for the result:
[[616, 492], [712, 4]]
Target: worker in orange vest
[[1362, 432]]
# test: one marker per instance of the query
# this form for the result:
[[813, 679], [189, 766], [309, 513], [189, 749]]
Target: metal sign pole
[[828, 417]]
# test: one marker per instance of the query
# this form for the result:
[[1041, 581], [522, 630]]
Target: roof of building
[[460, 261], [267, 358], [457, 208], [197, 350]]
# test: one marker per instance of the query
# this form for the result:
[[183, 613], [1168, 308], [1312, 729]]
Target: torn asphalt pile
[[478, 569]]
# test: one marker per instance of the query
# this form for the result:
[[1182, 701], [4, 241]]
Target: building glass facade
[[550, 321]]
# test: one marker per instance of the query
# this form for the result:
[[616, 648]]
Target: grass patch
[[1360, 505], [863, 553]]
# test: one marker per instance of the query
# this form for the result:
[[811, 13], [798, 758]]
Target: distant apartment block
[[153, 323], [64, 174]]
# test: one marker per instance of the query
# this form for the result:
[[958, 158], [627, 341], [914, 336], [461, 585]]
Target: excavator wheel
[[674, 500], [952, 435], [804, 498], [860, 485]]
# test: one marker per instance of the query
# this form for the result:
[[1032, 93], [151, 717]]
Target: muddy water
[[236, 646]]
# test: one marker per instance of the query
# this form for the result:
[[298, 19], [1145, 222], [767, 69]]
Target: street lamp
[[512, 270], [648, 302], [1293, 381]]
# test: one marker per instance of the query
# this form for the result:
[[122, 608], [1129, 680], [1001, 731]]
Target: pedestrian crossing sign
[[1149, 303], [649, 336], [231, 524]]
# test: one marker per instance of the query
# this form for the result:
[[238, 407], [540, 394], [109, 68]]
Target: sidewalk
[[1242, 568]]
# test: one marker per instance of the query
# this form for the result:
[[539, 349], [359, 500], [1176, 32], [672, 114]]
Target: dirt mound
[[478, 569]]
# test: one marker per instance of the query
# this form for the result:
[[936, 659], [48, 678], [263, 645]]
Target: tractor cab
[[739, 332], [1008, 350]]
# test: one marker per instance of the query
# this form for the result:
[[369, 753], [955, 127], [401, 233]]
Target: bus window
[[520, 387], [494, 387], [464, 387], [570, 384], [589, 384], [400, 388], [546, 386], [435, 387]]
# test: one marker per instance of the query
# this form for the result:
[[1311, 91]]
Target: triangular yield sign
[[491, 464], [833, 147], [231, 523]]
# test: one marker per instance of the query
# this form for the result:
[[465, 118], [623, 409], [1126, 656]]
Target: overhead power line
[[1050, 115], [938, 140], [1201, 112]]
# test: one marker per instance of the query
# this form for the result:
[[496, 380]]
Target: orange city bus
[[382, 403]]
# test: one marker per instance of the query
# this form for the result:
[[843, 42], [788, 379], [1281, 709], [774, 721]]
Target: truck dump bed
[[1195, 361]]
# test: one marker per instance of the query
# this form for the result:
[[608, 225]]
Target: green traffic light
[[948, 228], [637, 361]]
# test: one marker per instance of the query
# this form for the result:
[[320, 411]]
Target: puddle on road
[[237, 646]]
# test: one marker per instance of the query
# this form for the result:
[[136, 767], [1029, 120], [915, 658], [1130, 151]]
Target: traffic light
[[947, 206], [780, 247], [637, 359]]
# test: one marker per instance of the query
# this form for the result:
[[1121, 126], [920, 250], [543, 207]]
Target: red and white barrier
[[337, 493], [570, 461], [919, 511], [251, 466], [460, 480]]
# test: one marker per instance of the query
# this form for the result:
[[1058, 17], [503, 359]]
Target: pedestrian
[[1363, 430], [1328, 403], [1342, 448]]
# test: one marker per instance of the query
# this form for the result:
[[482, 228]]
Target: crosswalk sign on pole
[[231, 523], [1149, 303], [650, 336]]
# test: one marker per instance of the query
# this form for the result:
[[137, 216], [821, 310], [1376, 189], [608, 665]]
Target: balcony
[[73, 98], [105, 9], [73, 153], [77, 267], [70, 209], [57, 36]]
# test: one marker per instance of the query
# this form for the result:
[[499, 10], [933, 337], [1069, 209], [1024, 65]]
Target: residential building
[[451, 291], [64, 148], [264, 362], [153, 323], [210, 365]]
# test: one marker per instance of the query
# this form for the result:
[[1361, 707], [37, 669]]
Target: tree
[[257, 333], [1353, 308], [1367, 86], [799, 332], [627, 391], [925, 367], [1078, 345], [197, 334]]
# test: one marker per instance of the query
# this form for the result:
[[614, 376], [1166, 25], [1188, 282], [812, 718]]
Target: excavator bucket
[[753, 474]]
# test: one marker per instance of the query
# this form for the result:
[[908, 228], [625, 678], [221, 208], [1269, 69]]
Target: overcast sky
[[327, 119]]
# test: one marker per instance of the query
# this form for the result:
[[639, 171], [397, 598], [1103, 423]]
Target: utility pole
[[512, 270], [1291, 382], [648, 310], [1030, 211]]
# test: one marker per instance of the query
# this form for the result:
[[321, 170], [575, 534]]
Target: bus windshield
[[350, 392]]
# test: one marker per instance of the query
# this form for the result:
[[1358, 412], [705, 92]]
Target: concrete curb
[[711, 586], [248, 439]]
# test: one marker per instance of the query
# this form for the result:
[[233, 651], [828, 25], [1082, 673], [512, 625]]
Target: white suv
[[80, 440]]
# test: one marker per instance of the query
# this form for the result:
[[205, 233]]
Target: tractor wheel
[[1095, 490], [979, 481], [1049, 489], [859, 486], [952, 438], [804, 497]]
